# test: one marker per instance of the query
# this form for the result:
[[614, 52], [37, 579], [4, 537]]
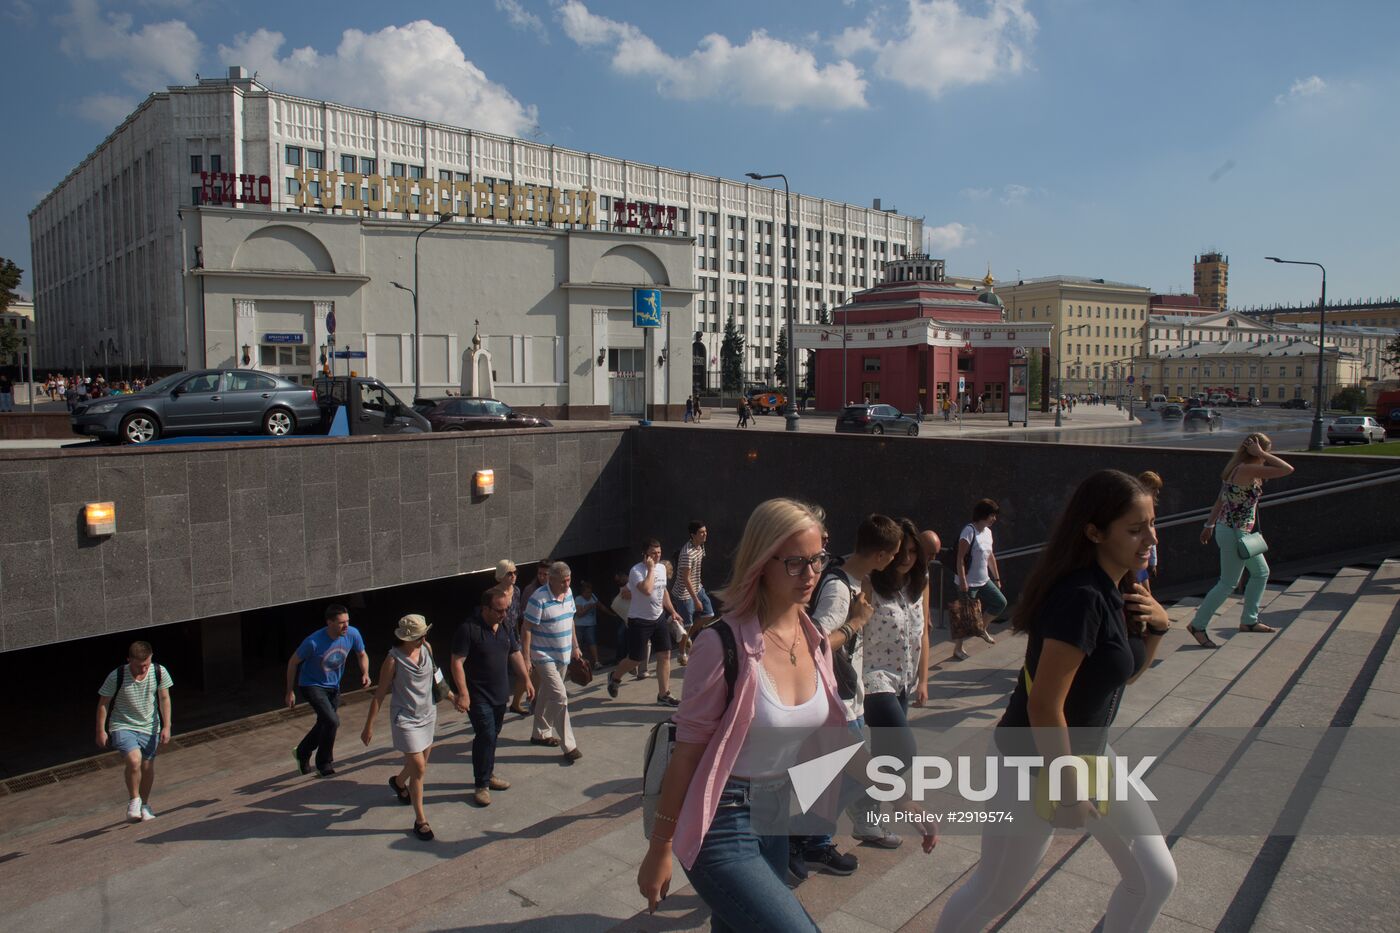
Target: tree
[[1391, 353], [1033, 396], [10, 343], [1349, 399], [10, 275], [731, 357], [781, 352]]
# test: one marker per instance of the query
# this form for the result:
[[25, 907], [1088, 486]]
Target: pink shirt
[[704, 719]]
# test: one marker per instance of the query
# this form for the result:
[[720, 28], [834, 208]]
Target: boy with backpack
[[133, 719]]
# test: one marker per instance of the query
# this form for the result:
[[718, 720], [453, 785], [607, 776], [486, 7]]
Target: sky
[[1106, 138]]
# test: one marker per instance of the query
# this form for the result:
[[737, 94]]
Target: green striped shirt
[[135, 708]]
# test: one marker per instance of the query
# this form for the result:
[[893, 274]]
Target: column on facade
[[245, 333]]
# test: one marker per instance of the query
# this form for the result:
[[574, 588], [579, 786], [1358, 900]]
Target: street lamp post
[[1315, 441], [790, 415], [414, 292]]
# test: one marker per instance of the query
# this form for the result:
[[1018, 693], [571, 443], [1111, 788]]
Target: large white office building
[[224, 223]]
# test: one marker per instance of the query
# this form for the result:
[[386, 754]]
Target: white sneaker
[[146, 813], [133, 810]]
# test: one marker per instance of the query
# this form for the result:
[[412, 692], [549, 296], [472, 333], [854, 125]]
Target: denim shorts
[[125, 741], [586, 635]]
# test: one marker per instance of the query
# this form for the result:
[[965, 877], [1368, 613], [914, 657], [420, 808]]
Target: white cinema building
[[226, 224]]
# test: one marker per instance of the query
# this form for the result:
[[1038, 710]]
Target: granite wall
[[209, 529]]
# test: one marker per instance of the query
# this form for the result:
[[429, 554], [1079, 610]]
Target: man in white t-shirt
[[649, 615], [977, 573], [133, 720]]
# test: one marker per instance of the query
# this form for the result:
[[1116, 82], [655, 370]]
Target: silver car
[[209, 401], [1355, 429]]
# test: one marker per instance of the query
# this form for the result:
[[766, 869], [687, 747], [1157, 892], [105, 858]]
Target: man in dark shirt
[[483, 651]]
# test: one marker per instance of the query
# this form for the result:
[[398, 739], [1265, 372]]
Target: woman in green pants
[[1234, 515]]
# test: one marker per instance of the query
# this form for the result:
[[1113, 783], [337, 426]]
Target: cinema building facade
[[225, 224]]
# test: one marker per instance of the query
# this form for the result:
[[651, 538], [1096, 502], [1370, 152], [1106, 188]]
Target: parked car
[[473, 414], [1296, 403], [875, 419], [1157, 401], [207, 401], [1355, 429], [371, 407], [1193, 403], [1171, 410], [1197, 418], [1175, 400], [1253, 402]]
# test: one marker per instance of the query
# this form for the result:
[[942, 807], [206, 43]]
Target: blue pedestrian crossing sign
[[646, 307]]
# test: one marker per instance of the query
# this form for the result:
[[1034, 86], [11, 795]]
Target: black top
[[1084, 609], [487, 659]]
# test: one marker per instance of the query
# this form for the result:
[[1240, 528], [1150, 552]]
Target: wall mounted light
[[101, 518], [484, 482], [247, 354], [602, 356]]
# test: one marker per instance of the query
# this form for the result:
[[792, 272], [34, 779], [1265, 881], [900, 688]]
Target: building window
[[415, 171], [398, 169], [316, 158], [195, 193], [215, 164], [872, 364], [292, 155], [347, 164], [369, 166], [196, 164]]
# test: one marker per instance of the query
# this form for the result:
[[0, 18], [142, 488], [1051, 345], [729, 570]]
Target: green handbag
[[1250, 544]]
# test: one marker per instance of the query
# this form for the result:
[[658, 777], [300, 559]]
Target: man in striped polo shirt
[[548, 646], [133, 720]]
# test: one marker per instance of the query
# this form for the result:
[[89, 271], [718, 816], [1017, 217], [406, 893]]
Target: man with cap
[[315, 669], [484, 650]]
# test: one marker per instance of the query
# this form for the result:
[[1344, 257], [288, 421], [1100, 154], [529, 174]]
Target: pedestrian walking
[[689, 408], [1234, 522], [1153, 484], [314, 671], [947, 409], [407, 677], [726, 766], [896, 652], [688, 592], [485, 649], [549, 646], [697, 409], [7, 393], [978, 575], [586, 622], [506, 576], [133, 720], [1086, 641], [650, 613]]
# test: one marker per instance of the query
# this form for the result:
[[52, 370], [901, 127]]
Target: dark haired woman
[[978, 575], [896, 649], [1086, 640], [1242, 483]]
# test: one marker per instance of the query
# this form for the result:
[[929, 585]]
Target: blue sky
[[1108, 139]]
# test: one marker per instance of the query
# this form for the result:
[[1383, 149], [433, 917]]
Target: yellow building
[[1098, 326], [1212, 280], [1267, 370]]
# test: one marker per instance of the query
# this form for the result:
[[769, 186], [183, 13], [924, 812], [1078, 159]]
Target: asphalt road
[[1287, 428]]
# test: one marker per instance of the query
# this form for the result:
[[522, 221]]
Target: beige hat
[[411, 627], [503, 568]]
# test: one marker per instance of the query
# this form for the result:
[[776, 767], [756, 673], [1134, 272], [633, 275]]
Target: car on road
[[197, 402], [875, 419], [1203, 417], [1171, 410], [1253, 402], [1175, 400], [473, 413], [1296, 403], [1355, 429]]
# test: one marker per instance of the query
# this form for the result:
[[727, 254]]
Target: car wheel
[[139, 428], [453, 427], [913, 430], [279, 423], [878, 429]]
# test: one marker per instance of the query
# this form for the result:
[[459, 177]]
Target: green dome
[[991, 298]]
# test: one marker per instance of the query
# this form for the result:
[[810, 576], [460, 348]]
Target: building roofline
[[131, 117]]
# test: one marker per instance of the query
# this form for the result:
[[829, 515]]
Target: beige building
[[20, 316], [1270, 371], [1171, 331], [1211, 279], [1382, 314], [1098, 326]]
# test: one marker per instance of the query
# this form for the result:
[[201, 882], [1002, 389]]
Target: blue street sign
[[330, 321], [349, 354], [1130, 380], [284, 338], [646, 307]]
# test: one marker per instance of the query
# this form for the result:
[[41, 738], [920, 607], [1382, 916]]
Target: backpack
[[842, 666], [662, 740], [112, 705], [949, 555]]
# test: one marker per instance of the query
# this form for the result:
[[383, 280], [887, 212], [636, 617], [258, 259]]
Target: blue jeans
[[887, 715], [993, 600], [815, 844], [321, 738], [486, 727], [1227, 539], [740, 875], [686, 608]]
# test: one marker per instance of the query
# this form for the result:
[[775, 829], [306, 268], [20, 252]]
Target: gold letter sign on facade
[[533, 204]]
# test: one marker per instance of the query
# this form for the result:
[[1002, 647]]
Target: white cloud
[[155, 54], [939, 46], [521, 18], [950, 236], [105, 109], [977, 194], [417, 69], [1014, 194], [1303, 87], [762, 71]]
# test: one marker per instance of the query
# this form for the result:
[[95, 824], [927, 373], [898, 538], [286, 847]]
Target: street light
[[414, 292], [1059, 365], [790, 415], [1315, 441]]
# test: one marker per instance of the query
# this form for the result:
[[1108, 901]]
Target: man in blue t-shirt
[[314, 670]]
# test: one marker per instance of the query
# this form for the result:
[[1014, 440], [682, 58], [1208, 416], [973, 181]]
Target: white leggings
[[1011, 853]]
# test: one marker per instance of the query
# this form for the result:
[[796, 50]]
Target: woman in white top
[[896, 649], [977, 574]]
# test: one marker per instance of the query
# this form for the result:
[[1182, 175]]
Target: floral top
[[892, 639], [1237, 504]]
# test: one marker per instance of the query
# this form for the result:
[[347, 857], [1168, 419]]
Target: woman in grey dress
[[408, 674]]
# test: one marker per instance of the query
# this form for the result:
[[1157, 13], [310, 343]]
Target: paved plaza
[[243, 843]]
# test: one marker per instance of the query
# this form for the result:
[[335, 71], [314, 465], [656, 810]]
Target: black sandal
[[1258, 627], [1202, 638], [399, 792], [423, 831]]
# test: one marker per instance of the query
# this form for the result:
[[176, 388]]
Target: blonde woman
[[1234, 514], [408, 672], [785, 681]]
